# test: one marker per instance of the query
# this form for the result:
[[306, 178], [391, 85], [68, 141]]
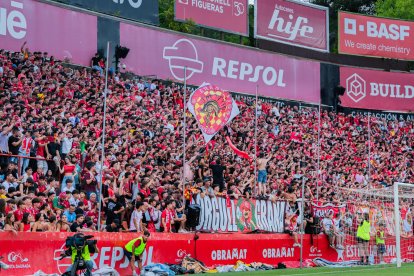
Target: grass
[[383, 270]]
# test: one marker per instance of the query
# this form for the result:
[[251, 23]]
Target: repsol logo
[[234, 69], [134, 3], [12, 20]]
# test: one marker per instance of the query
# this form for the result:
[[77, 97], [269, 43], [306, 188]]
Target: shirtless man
[[262, 174]]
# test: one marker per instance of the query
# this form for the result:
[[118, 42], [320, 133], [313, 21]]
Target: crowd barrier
[[27, 253]]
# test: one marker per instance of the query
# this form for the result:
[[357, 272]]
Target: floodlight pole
[[103, 137]]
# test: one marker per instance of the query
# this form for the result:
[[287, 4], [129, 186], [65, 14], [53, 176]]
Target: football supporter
[[54, 113]]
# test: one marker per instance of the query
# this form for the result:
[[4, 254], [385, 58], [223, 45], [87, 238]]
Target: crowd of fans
[[53, 114]]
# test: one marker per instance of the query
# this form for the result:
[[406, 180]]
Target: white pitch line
[[340, 271]]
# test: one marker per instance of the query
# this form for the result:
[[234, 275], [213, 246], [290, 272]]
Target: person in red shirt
[[18, 214], [167, 217]]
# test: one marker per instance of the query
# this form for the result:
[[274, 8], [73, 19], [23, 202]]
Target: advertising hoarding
[[375, 36], [233, 68], [294, 23], [47, 28], [379, 90], [225, 15], [137, 10]]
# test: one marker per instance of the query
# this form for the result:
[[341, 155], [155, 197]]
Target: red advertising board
[[234, 68], [371, 89], [295, 23], [225, 15], [375, 36], [27, 253], [60, 32]]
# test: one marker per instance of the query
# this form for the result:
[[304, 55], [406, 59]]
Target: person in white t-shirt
[[328, 228], [135, 224]]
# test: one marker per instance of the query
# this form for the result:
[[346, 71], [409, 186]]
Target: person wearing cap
[[134, 249]]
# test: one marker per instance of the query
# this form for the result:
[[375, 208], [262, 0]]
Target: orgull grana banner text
[[219, 214], [379, 90], [225, 15], [293, 22], [233, 68], [375, 36]]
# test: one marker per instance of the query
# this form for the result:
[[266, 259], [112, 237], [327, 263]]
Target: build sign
[[379, 90], [375, 36], [295, 23], [225, 15]]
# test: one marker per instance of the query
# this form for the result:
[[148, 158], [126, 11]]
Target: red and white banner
[[320, 210], [291, 22], [375, 36], [232, 68], [225, 15], [221, 214], [47, 28], [378, 90], [27, 253], [213, 108]]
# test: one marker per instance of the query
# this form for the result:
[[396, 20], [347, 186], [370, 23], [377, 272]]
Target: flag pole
[[184, 131], [369, 151], [103, 136], [319, 152], [255, 142]]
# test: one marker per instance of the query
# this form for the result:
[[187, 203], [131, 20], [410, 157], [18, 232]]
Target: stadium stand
[[52, 114]]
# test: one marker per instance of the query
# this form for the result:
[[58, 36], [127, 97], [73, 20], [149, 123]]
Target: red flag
[[240, 153]]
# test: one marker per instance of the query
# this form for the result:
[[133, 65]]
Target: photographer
[[80, 243]]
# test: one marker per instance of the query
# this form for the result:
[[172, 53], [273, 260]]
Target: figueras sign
[[225, 15]]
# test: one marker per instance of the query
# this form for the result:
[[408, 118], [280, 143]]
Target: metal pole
[[397, 225], [319, 153], [302, 207], [369, 151], [103, 137], [255, 142], [184, 128]]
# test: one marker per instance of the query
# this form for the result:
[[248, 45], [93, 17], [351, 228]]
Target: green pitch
[[383, 270]]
